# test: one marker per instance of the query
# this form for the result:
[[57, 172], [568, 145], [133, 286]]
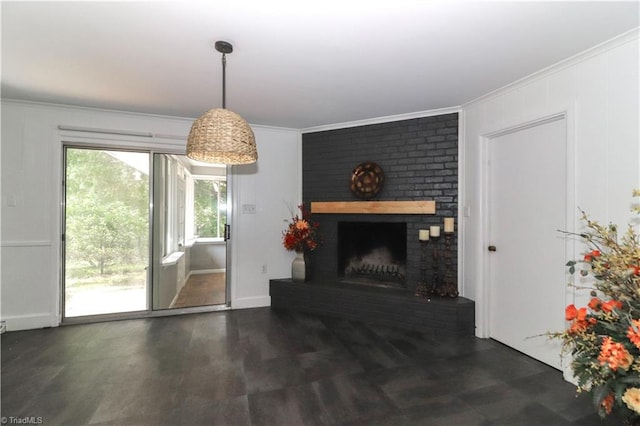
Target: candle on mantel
[[448, 225], [434, 231], [423, 235]]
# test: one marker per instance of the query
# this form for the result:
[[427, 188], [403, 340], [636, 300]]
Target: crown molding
[[379, 120], [599, 49]]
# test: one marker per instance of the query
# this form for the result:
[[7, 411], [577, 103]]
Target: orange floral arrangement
[[603, 338], [302, 233]]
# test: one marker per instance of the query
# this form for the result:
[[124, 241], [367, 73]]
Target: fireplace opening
[[373, 253]]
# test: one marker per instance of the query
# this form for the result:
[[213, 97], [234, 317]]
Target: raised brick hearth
[[384, 306]]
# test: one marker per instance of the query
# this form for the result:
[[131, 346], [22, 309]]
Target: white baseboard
[[175, 299], [30, 322], [251, 302], [178, 290], [201, 272], [206, 271]]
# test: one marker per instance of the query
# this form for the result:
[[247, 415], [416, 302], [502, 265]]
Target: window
[[171, 182], [190, 206], [209, 205]]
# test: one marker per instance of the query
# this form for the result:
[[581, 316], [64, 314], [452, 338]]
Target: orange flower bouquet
[[603, 338], [301, 234]]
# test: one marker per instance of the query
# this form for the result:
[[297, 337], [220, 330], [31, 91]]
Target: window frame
[[192, 219]]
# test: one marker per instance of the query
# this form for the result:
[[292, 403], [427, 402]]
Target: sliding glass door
[[189, 262], [106, 244], [122, 256]]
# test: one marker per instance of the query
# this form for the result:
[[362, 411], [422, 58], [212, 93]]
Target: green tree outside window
[[210, 200]]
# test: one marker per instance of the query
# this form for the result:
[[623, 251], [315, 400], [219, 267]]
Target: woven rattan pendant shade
[[222, 136]]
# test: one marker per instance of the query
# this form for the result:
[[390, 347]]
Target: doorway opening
[[143, 233]]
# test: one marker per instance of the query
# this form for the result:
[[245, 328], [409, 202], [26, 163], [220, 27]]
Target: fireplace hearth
[[390, 307]]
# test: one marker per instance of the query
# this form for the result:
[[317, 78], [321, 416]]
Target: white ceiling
[[295, 64]]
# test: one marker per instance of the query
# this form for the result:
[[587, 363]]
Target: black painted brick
[[420, 160], [437, 316]]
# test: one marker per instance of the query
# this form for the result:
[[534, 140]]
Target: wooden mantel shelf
[[374, 207]]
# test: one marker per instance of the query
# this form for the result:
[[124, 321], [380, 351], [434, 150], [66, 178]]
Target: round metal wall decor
[[366, 180]]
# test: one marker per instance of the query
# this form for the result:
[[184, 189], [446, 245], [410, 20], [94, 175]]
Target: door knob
[[491, 248]]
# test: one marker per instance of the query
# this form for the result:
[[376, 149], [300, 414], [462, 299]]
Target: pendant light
[[219, 135]]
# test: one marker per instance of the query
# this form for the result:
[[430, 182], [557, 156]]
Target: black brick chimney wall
[[419, 158]]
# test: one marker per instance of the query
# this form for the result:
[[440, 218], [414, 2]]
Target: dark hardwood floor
[[274, 367]]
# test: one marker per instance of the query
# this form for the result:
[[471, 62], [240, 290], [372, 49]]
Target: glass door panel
[[106, 249], [189, 250]]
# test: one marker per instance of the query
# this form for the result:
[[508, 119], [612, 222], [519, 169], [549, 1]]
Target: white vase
[[299, 267]]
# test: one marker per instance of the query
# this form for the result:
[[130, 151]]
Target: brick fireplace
[[419, 158]]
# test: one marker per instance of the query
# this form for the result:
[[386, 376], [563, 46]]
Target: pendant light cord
[[224, 80]]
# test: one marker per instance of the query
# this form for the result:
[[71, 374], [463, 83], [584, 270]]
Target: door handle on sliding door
[[227, 232]]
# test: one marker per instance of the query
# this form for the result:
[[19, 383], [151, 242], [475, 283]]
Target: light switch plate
[[248, 209]]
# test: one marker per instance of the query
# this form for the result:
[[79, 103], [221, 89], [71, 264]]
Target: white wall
[[207, 256], [31, 198], [171, 280], [599, 92], [257, 253]]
